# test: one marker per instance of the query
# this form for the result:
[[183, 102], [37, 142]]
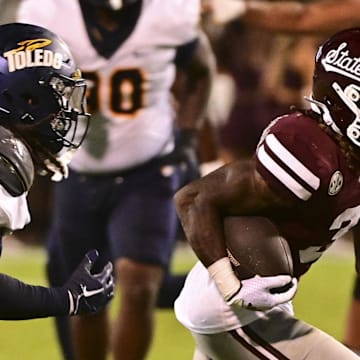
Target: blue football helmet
[[41, 88]]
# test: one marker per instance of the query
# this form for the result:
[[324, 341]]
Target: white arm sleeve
[[14, 212]]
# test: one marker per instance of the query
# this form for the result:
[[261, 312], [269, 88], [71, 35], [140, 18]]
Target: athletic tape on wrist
[[224, 277]]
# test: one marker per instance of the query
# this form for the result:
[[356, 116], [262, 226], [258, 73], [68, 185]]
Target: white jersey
[[201, 309], [14, 211], [132, 87]]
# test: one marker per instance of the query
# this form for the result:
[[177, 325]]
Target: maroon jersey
[[298, 160]]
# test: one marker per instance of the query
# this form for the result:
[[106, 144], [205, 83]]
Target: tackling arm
[[20, 301], [83, 293]]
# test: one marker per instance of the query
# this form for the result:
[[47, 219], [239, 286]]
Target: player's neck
[[108, 19]]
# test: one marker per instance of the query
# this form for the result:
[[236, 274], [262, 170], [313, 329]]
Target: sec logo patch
[[336, 183]]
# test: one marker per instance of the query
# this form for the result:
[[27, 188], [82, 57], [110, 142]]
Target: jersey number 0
[[125, 91]]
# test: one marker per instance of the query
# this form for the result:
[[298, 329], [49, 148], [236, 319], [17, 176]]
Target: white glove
[[259, 292], [256, 293]]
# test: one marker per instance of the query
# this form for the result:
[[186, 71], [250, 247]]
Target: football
[[255, 246]]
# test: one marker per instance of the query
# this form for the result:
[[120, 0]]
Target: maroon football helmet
[[336, 84]]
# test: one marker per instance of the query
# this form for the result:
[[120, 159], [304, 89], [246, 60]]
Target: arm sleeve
[[20, 301]]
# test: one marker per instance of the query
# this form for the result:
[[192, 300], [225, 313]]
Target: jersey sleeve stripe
[[283, 176], [292, 162]]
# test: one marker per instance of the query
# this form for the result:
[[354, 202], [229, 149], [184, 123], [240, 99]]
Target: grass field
[[322, 300]]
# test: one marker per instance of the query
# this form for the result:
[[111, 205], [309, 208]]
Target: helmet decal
[[31, 53], [339, 61]]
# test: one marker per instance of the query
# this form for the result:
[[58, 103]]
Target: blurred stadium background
[[322, 300]]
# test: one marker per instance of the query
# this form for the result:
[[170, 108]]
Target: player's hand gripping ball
[[255, 247], [261, 259]]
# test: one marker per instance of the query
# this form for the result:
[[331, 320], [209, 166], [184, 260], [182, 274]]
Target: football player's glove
[[264, 292], [89, 293], [185, 155], [255, 293]]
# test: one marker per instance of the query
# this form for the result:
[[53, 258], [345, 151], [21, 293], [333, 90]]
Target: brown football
[[255, 246]]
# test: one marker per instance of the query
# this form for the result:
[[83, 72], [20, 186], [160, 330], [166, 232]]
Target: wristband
[[71, 303], [224, 277]]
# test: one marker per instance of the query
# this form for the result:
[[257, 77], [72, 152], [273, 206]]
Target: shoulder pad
[[16, 165]]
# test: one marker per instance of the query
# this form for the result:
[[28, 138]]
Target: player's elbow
[[185, 199], [190, 201]]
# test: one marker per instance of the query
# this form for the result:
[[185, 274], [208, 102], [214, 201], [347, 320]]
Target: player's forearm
[[196, 86], [201, 221], [191, 112], [20, 301]]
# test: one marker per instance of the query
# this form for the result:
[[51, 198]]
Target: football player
[[43, 119], [301, 17], [140, 145], [305, 179]]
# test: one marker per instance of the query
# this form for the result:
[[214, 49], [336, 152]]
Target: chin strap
[[323, 111]]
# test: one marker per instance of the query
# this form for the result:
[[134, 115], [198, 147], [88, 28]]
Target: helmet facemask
[[70, 124], [54, 113], [351, 98]]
